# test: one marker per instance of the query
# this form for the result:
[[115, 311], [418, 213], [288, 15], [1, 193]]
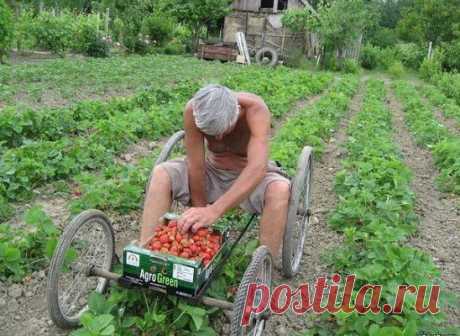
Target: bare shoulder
[[257, 113]]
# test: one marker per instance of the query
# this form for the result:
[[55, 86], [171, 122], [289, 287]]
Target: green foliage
[[429, 20], [447, 105], [430, 133], [159, 28], [29, 248], [88, 39], [313, 125], [196, 14], [410, 54], [396, 70], [369, 57], [376, 214], [136, 311], [452, 55], [53, 32], [338, 24], [350, 66], [6, 29], [174, 48], [449, 84], [383, 38], [430, 68]]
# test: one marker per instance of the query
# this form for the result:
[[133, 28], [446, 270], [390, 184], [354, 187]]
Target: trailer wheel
[[87, 240], [259, 271], [267, 56]]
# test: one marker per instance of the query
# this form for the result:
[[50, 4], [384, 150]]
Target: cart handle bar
[[93, 271]]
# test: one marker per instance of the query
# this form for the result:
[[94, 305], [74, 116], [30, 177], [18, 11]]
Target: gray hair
[[215, 109]]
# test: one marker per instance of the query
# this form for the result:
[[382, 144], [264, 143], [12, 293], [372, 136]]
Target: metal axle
[[93, 271]]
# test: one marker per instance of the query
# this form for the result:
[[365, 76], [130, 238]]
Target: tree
[[6, 29], [197, 14], [430, 20], [337, 24]]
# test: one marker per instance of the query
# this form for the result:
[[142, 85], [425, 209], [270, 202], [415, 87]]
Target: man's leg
[[274, 215], [157, 202]]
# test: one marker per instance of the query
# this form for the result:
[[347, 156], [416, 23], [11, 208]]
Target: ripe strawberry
[[156, 245]]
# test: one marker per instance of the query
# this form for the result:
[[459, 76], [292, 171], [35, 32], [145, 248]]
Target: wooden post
[[107, 20], [430, 50]]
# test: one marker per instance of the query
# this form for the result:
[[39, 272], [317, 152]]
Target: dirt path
[[439, 213], [320, 238], [451, 124]]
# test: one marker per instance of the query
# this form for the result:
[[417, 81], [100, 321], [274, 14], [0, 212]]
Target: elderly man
[[233, 170]]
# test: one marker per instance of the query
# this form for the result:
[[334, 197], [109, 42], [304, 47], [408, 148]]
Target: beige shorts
[[218, 181]]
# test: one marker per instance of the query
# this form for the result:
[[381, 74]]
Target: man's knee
[[160, 177], [277, 194]]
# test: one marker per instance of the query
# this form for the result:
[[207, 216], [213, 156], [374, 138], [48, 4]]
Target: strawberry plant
[[376, 214], [447, 105], [430, 133], [313, 125], [26, 249]]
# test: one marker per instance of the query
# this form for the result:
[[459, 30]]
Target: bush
[[295, 58], [384, 38], [159, 29], [174, 48], [369, 57], [452, 55], [396, 69], [387, 58], [410, 54], [88, 39], [54, 33], [430, 69], [350, 66], [6, 29]]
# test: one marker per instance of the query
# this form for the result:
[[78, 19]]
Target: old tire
[[87, 240], [267, 56], [259, 271], [298, 214]]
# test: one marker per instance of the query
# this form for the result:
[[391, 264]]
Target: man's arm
[[194, 145], [258, 118]]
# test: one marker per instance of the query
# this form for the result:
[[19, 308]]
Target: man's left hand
[[196, 218]]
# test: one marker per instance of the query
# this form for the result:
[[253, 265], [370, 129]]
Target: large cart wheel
[[259, 271], [87, 240], [298, 214]]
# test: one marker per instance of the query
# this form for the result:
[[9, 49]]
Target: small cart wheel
[[298, 214], [259, 271], [87, 240]]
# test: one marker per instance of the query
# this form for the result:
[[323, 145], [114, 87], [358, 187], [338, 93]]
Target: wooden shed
[[260, 21]]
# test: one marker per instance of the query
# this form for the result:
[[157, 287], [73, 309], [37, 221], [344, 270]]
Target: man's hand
[[195, 218]]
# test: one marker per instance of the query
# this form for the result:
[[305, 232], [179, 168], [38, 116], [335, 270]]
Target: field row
[[376, 215], [91, 134], [447, 105], [431, 134], [89, 158]]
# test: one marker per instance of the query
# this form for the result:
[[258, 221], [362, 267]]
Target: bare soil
[[320, 238], [439, 229]]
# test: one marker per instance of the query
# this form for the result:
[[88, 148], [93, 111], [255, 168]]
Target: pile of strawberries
[[202, 245]]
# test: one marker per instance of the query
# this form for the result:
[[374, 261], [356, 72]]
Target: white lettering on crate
[[182, 272]]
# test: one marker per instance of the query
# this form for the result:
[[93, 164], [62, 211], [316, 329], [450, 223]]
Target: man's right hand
[[196, 218]]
